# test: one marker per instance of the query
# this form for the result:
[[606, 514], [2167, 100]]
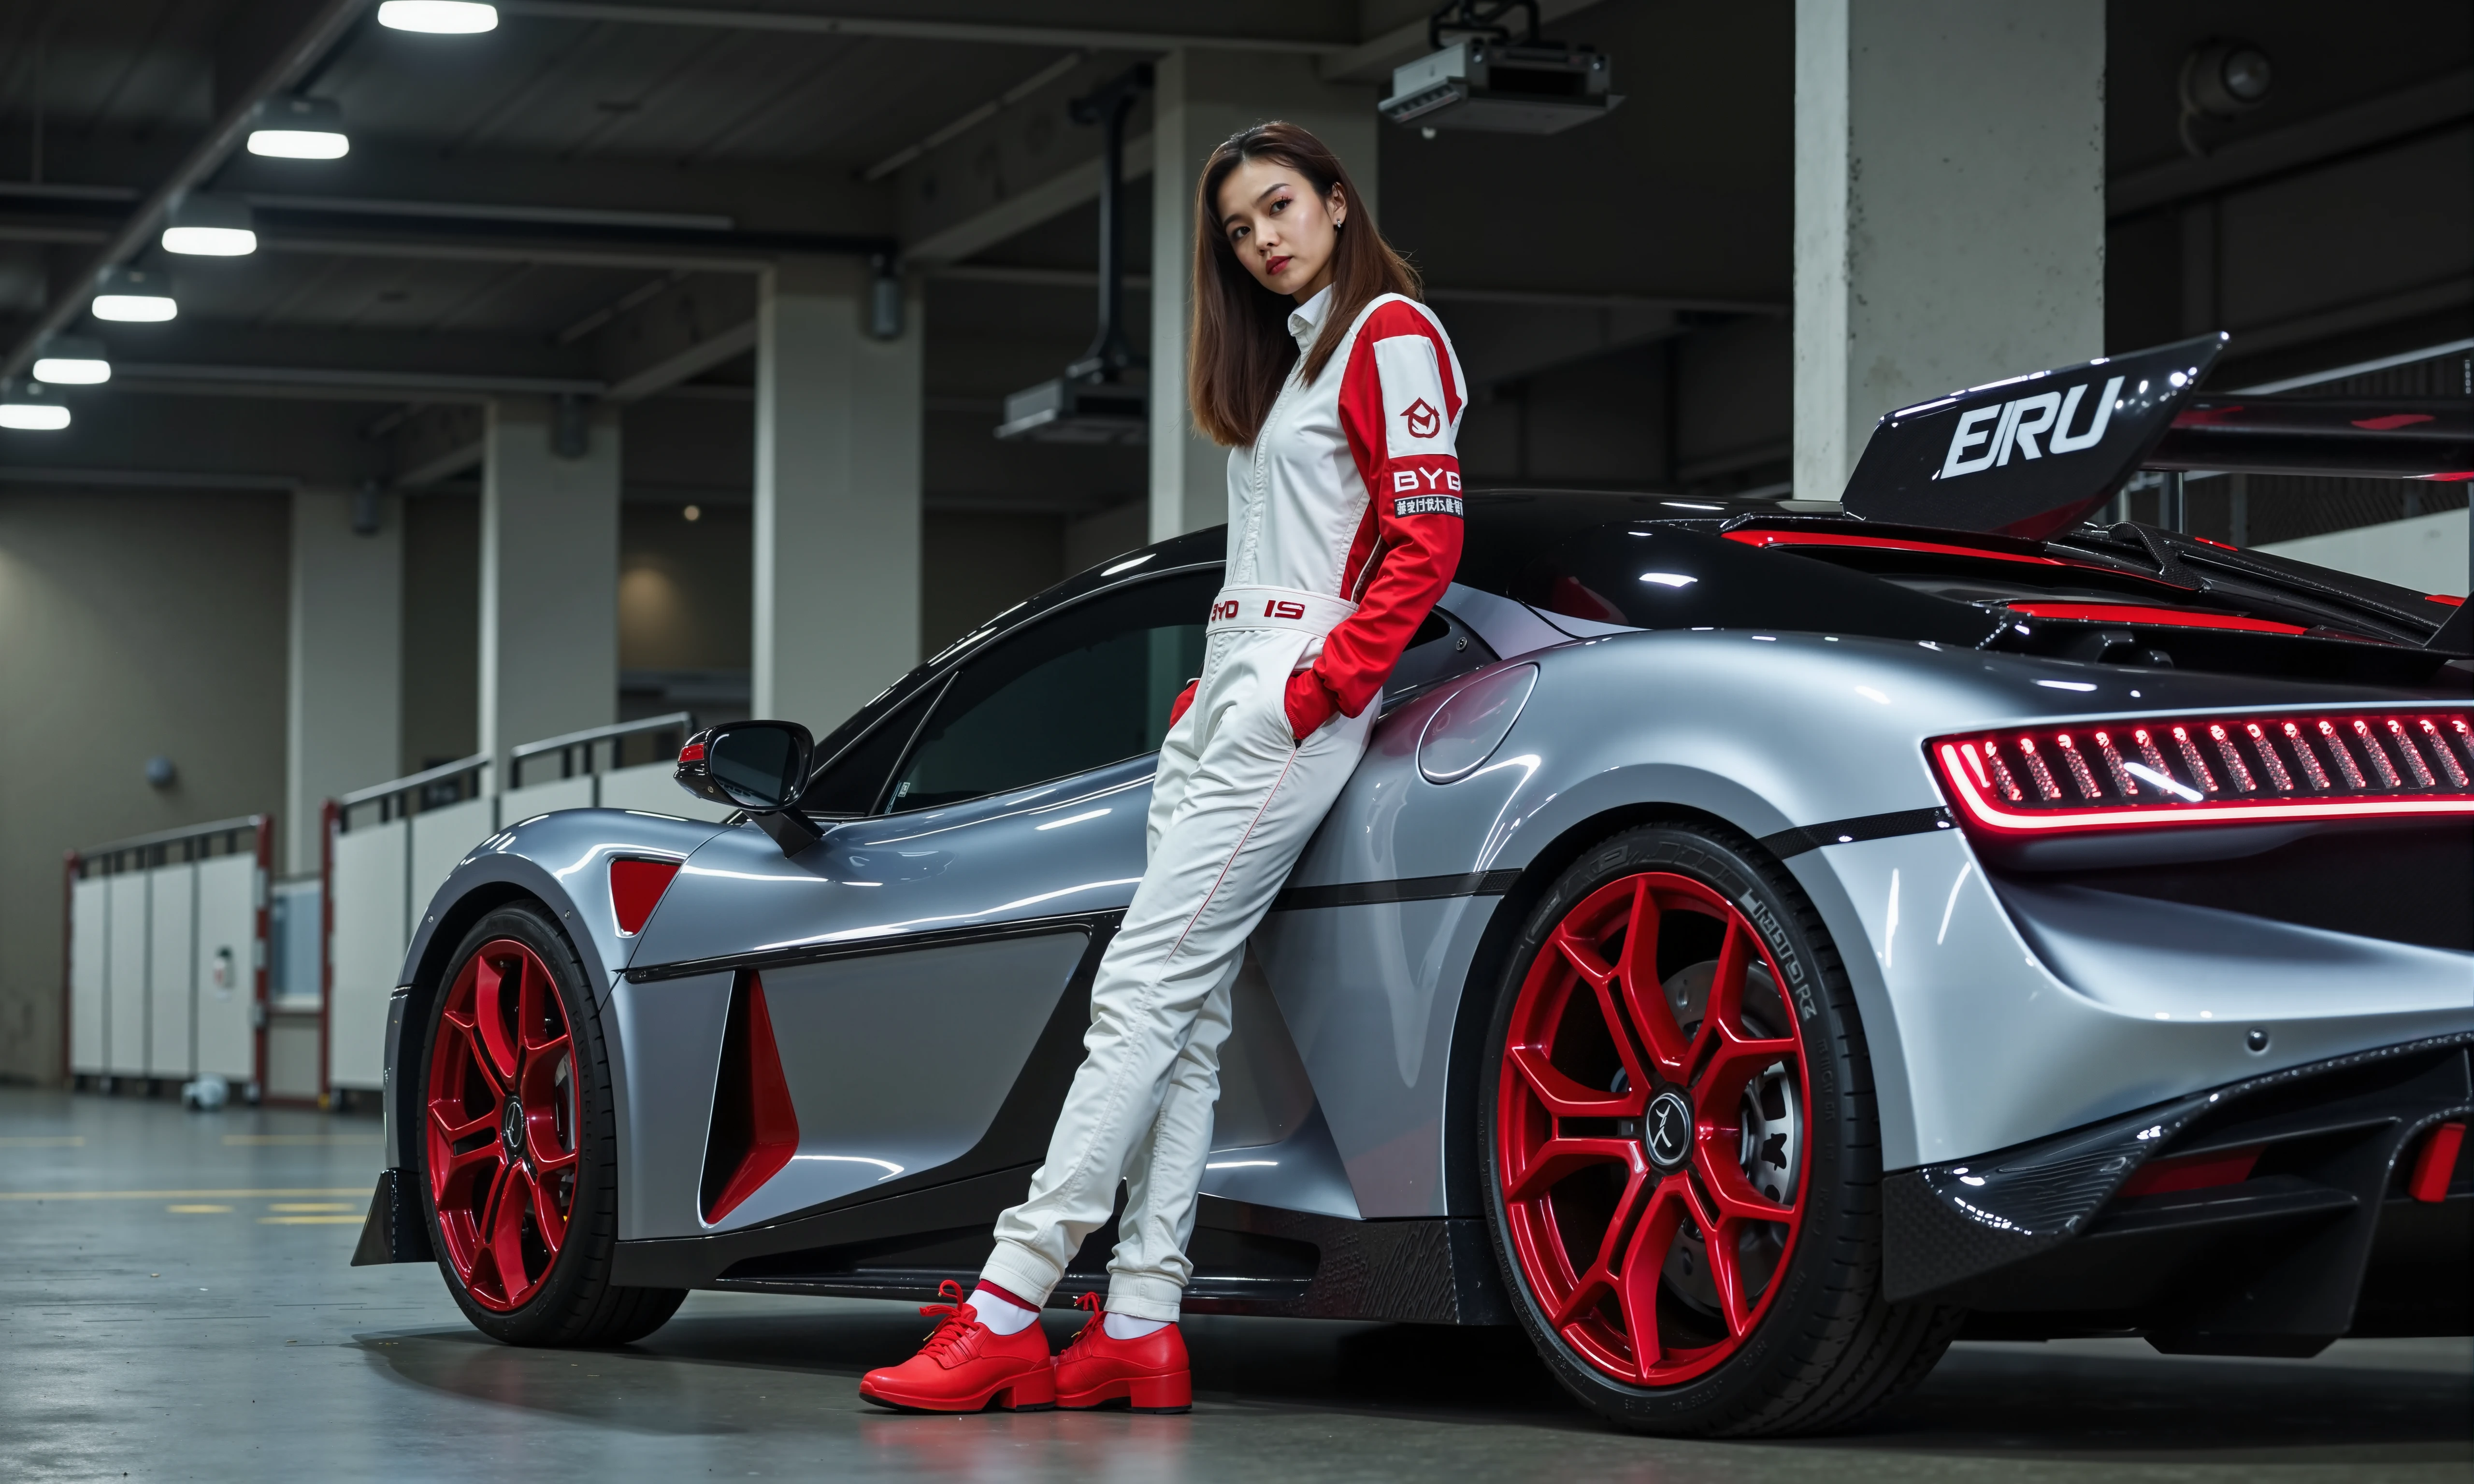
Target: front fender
[[562, 860]]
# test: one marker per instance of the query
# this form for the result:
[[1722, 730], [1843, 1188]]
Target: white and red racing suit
[[1344, 528]]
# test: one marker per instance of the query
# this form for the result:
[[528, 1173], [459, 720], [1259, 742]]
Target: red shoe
[[965, 1365], [1149, 1374]]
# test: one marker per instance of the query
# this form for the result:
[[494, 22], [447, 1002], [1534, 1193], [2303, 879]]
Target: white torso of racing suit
[[1344, 528], [1349, 501]]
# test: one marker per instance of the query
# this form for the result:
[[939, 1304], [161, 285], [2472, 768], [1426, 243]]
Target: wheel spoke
[[546, 1219], [1600, 1275], [536, 1003], [1644, 1259], [541, 1140], [1726, 1275], [1644, 994], [457, 1165], [1565, 1098], [507, 1232], [1732, 1062], [490, 990], [1582, 956], [457, 1133], [1729, 1192], [1557, 1159]]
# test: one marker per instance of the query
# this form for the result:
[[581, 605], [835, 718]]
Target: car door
[[915, 959]]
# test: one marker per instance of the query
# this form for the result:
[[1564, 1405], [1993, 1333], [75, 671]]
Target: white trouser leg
[[1236, 800]]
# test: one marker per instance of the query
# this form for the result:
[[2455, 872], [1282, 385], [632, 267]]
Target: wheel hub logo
[[511, 1127], [1668, 1130]]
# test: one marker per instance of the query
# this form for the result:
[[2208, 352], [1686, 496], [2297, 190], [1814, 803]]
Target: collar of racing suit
[[1306, 320]]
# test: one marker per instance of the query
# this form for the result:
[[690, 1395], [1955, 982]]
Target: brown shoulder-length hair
[[1239, 350]]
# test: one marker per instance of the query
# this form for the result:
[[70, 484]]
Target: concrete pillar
[[837, 454], [549, 575], [1202, 98], [1949, 206], [344, 702]]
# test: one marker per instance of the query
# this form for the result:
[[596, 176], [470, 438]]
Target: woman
[[1338, 395]]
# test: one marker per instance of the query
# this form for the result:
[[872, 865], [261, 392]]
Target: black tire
[[575, 1304], [1827, 1349]]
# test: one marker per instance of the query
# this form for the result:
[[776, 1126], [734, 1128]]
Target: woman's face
[[1279, 229]]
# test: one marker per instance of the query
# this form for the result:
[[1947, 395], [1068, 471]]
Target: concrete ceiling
[[578, 201]]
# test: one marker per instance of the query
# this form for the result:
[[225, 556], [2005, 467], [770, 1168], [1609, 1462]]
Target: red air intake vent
[[636, 888], [2211, 770], [755, 1128]]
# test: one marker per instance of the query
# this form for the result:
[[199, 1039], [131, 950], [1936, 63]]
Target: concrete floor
[[174, 1302]]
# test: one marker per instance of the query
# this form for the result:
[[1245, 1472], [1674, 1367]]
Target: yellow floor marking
[[308, 1221], [304, 1138], [165, 1195], [303, 1205], [44, 1141], [199, 1210]]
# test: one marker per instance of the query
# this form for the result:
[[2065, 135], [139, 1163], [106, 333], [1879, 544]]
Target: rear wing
[[2035, 455]]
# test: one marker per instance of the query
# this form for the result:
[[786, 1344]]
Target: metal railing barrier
[[390, 846], [164, 968]]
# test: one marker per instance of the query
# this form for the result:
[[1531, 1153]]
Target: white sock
[[999, 1313], [1125, 1327]]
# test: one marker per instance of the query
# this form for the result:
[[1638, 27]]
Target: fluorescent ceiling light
[[297, 144], [210, 241], [72, 361], [135, 308], [298, 129], [66, 370], [439, 17], [34, 416], [209, 226], [133, 296]]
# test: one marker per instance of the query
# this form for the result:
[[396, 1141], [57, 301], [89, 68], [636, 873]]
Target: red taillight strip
[[1894, 543], [2209, 771], [2154, 617]]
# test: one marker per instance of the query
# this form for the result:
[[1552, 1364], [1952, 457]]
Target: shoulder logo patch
[[1423, 419]]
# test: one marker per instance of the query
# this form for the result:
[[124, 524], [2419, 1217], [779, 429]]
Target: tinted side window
[[1660, 576], [853, 783], [1090, 686]]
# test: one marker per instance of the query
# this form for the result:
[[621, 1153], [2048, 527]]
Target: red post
[[329, 815], [69, 863], [264, 954]]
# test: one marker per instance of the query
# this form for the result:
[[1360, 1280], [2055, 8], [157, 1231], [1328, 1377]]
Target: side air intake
[[755, 1130]]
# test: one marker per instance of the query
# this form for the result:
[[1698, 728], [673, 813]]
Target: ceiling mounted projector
[[1092, 402], [1484, 81]]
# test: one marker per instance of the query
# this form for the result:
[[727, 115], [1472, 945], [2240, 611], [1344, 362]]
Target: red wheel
[[1651, 1204], [503, 1125], [518, 1153], [1681, 1152]]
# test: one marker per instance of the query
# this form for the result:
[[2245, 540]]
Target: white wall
[[2426, 553]]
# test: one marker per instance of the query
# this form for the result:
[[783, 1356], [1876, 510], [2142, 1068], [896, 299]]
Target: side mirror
[[761, 767]]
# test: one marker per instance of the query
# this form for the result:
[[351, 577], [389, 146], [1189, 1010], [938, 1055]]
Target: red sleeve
[[1400, 403]]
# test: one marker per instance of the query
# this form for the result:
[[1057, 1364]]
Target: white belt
[[1277, 608]]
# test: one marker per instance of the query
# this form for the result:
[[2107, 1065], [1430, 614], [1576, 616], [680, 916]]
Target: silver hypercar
[[1763, 943]]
